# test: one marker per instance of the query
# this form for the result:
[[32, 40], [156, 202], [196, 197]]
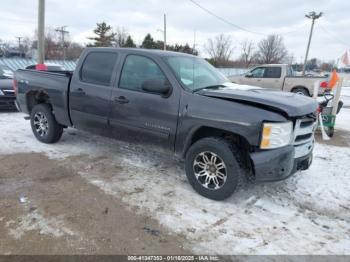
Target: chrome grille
[[304, 130], [304, 136]]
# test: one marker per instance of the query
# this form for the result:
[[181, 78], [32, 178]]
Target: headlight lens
[[1, 93], [276, 135]]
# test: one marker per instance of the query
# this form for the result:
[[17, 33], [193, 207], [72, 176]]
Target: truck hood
[[289, 103]]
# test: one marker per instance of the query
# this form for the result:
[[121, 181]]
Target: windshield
[[195, 73], [5, 72]]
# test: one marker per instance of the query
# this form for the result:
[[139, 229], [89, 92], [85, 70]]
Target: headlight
[[1, 93], [276, 135]]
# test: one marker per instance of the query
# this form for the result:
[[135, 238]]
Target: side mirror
[[156, 85], [249, 74]]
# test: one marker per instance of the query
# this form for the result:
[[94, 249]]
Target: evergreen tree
[[129, 42], [182, 48], [104, 35], [148, 42]]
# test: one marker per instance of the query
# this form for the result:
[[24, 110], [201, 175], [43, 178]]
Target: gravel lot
[[88, 194]]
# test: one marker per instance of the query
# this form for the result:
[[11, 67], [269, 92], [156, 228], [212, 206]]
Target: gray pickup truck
[[179, 103]]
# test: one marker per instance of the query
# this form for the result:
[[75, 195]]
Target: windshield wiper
[[208, 87]]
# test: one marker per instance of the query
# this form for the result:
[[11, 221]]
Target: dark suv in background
[[7, 93]]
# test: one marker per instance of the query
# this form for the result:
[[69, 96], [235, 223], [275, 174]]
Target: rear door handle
[[121, 100], [80, 90]]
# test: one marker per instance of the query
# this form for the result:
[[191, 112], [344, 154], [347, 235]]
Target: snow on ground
[[345, 96], [306, 214]]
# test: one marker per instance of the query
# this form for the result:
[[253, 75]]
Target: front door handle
[[121, 100]]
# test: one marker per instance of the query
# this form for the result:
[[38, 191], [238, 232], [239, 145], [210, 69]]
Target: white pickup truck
[[279, 76]]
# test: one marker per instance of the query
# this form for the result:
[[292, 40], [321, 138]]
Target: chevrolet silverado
[[227, 133]]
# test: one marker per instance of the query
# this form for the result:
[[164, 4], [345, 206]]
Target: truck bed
[[54, 84], [291, 82]]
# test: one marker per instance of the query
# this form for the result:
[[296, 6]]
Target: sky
[[185, 20]]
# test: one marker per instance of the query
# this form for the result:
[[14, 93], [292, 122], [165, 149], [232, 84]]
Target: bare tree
[[53, 46], [120, 37], [73, 50], [220, 49], [272, 50], [289, 59], [27, 44], [248, 55]]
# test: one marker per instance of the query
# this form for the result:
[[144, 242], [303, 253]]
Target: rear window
[[98, 68], [273, 72]]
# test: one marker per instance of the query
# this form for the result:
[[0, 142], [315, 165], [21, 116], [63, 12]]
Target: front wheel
[[44, 125], [213, 168]]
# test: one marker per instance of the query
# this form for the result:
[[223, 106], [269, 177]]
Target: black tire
[[53, 130], [301, 91], [222, 148]]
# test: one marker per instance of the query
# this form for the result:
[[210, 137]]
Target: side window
[[98, 68], [258, 72], [137, 70], [273, 72]]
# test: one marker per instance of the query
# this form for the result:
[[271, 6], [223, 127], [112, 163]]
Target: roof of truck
[[274, 65], [141, 50]]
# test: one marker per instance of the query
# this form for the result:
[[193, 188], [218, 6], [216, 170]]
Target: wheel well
[[301, 87], [241, 143], [36, 97]]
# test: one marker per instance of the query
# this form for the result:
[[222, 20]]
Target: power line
[[238, 26], [333, 36], [224, 20]]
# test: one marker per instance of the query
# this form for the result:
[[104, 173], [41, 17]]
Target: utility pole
[[41, 32], [63, 32], [19, 38], [313, 16], [164, 30]]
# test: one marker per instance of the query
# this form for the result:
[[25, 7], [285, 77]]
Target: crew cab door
[[143, 116], [90, 90], [255, 77], [266, 77]]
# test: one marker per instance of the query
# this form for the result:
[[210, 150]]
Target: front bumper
[[279, 164], [7, 102]]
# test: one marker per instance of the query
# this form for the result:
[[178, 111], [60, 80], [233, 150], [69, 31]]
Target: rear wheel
[[213, 168], [301, 91], [44, 125]]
